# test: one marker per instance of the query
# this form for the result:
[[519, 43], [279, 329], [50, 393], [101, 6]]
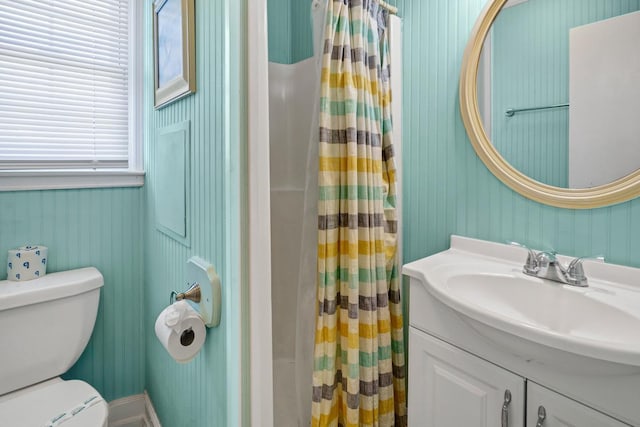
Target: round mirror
[[550, 97]]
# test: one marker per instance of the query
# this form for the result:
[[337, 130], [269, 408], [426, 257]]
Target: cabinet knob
[[505, 408], [542, 415]]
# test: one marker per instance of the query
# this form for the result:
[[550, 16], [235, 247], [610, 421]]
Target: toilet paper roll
[[27, 263], [181, 331]]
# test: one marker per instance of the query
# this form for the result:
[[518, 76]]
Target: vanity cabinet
[[449, 387], [560, 411], [480, 326]]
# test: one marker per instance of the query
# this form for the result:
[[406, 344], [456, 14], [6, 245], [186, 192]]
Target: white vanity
[[491, 346]]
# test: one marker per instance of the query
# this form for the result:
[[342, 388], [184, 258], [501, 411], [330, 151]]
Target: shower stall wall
[[291, 113]]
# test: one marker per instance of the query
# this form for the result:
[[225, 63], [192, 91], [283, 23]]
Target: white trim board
[[59, 180], [133, 411], [395, 48], [259, 202]]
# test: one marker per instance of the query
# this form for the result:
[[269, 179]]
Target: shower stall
[[293, 121], [291, 105]]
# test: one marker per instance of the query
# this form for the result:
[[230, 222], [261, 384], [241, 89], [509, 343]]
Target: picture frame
[[173, 50]]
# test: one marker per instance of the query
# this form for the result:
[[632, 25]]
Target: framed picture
[[174, 50]]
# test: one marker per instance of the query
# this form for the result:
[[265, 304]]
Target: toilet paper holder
[[191, 294], [204, 291]]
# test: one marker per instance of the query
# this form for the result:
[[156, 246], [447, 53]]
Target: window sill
[[59, 180]]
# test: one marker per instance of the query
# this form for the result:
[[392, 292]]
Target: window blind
[[64, 84]]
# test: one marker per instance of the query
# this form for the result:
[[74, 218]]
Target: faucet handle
[[575, 271], [531, 264]]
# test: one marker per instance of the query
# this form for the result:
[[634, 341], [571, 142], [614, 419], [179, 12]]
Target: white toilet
[[45, 324]]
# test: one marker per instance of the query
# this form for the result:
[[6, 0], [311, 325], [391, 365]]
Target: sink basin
[[595, 328]]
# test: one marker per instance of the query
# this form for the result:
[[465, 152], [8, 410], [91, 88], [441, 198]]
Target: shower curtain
[[359, 371]]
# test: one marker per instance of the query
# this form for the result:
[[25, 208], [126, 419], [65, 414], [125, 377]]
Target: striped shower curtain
[[359, 369]]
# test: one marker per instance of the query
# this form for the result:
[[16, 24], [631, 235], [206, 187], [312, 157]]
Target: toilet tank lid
[[50, 287]]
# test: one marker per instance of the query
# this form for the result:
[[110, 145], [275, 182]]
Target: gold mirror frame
[[621, 190]]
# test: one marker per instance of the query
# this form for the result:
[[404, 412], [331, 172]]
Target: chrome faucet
[[545, 265], [549, 267]]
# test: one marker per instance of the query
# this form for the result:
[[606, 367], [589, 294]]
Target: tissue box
[[27, 263]]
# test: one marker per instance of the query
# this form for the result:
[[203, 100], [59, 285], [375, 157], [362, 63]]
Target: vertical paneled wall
[[101, 228], [193, 394], [290, 31], [530, 68], [279, 24], [447, 189], [301, 30]]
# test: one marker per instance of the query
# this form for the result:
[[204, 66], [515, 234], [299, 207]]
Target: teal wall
[[301, 30], [279, 23], [204, 392], [530, 67], [101, 228], [447, 189], [290, 30]]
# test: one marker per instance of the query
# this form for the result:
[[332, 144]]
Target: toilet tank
[[45, 324]]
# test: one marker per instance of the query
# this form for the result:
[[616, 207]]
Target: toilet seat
[[34, 406]]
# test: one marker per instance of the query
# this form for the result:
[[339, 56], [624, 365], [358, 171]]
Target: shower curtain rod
[[392, 9]]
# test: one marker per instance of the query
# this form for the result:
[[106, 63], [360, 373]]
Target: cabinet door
[[560, 411], [449, 387]]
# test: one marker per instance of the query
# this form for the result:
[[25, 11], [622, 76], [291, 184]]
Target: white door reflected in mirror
[[604, 93], [573, 102]]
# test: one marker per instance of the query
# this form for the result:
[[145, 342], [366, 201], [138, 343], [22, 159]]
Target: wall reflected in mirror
[[573, 68]]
